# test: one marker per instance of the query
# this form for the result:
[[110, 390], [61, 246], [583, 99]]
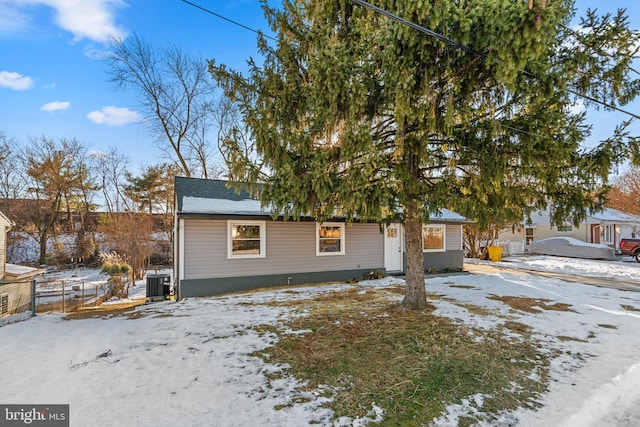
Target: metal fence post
[[33, 297]]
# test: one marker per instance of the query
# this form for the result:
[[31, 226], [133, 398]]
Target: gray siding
[[443, 261], [291, 249], [454, 237]]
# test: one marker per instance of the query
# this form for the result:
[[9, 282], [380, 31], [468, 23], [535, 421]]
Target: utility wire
[[228, 20], [475, 52]]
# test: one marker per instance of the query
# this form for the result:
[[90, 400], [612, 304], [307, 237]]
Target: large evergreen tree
[[356, 114]]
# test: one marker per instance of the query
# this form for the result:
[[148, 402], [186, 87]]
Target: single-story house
[[225, 242], [607, 227], [16, 291]]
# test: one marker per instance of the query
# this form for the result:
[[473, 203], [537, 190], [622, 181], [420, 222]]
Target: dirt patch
[[106, 312], [531, 305], [517, 327], [629, 307]]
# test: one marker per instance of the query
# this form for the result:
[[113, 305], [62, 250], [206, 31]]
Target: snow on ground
[[189, 363], [85, 281], [624, 267]]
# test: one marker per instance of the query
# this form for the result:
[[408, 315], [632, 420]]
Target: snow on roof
[[614, 215], [447, 215], [203, 196], [21, 271], [222, 206]]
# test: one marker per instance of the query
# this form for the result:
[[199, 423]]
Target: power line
[[475, 52], [228, 20]]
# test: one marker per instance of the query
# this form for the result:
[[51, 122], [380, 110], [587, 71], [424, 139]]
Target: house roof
[[615, 216], [213, 197], [15, 272]]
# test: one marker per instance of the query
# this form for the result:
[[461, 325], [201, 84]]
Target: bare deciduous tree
[[177, 96]]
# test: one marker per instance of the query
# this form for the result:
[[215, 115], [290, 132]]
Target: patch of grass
[[607, 326], [518, 327], [412, 364], [629, 307], [566, 338], [531, 305]]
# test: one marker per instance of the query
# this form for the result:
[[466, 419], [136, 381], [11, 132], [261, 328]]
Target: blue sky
[[53, 83]]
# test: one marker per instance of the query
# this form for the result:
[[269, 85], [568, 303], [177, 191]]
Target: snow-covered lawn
[[188, 363]]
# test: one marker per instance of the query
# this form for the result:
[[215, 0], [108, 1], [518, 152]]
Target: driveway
[[604, 282]]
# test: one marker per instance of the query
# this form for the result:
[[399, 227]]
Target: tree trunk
[[415, 297], [42, 243]]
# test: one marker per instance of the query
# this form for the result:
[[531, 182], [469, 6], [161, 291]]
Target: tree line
[[51, 188], [54, 187]]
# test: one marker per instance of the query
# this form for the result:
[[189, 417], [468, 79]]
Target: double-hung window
[[433, 238], [246, 239], [330, 238]]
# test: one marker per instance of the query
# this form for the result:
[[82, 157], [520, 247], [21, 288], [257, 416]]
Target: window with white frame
[[608, 234], [246, 239], [433, 238], [330, 238], [565, 228]]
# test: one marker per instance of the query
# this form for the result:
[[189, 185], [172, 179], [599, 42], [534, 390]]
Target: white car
[[571, 247]]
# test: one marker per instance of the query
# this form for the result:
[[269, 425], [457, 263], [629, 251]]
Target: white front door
[[393, 247]]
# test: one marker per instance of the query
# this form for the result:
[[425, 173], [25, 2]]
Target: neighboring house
[[16, 291], [225, 242], [606, 227]]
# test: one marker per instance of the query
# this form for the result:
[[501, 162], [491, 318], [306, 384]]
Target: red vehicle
[[630, 247]]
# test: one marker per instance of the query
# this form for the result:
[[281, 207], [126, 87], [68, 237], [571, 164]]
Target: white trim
[[608, 234], [181, 249], [393, 259], [343, 243], [263, 239], [443, 227]]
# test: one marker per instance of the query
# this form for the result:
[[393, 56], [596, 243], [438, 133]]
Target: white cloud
[[114, 116], [15, 81], [12, 20], [56, 106], [85, 19], [577, 107]]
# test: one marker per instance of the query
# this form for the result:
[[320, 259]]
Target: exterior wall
[[453, 258], [454, 237], [19, 297], [213, 286], [290, 253], [4, 225], [204, 268], [441, 261]]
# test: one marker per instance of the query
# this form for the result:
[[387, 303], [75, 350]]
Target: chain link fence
[[71, 295]]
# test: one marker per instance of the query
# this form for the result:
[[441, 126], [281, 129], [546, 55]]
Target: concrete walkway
[[604, 282]]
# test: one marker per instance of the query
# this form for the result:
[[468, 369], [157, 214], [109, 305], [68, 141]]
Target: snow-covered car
[[571, 247]]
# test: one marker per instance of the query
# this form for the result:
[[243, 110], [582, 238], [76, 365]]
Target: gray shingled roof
[[206, 189], [211, 196]]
